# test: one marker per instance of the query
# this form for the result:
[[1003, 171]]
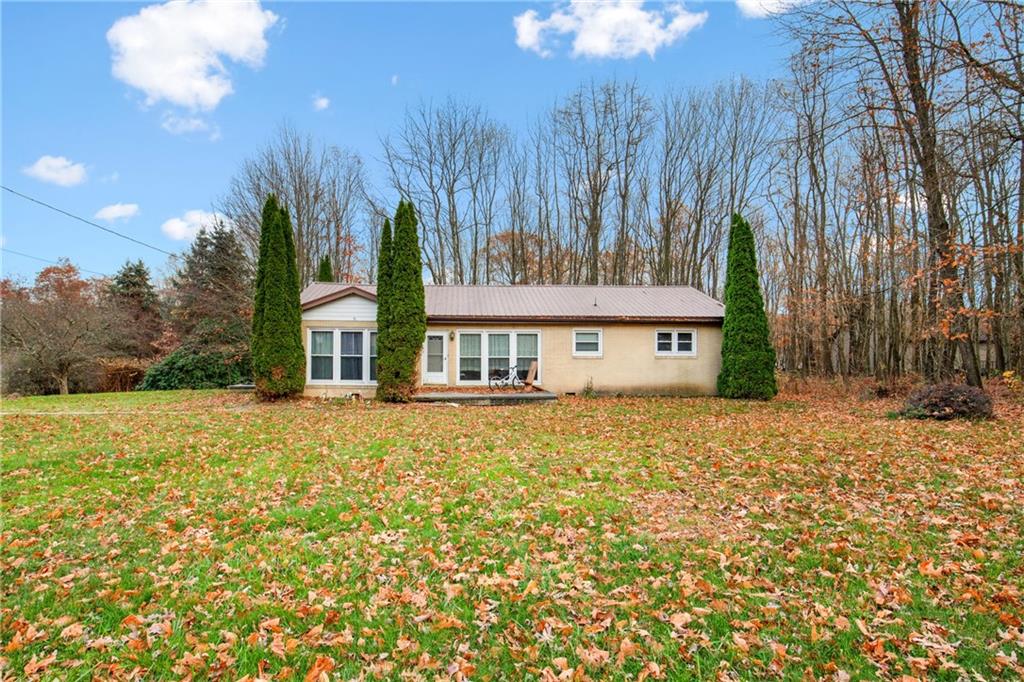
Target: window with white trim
[[469, 357], [587, 343], [527, 352], [481, 353], [675, 342], [498, 360], [342, 356], [321, 355]]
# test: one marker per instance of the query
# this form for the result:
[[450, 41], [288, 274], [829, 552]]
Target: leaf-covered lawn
[[178, 534]]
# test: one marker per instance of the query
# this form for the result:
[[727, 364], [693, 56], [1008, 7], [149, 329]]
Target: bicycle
[[504, 378]]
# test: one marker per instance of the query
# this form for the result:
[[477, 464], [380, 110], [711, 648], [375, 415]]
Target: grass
[[198, 533]]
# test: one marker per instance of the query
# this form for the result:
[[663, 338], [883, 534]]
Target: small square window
[[586, 342], [684, 342], [664, 342]]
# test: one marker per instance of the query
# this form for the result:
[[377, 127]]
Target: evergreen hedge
[[401, 309], [748, 358], [278, 359]]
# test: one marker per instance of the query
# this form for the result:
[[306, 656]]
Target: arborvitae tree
[[325, 273], [383, 291], [748, 358], [279, 362], [405, 317]]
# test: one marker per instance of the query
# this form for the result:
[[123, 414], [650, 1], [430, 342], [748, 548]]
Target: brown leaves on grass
[[590, 539]]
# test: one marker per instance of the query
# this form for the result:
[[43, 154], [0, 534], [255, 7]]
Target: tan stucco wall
[[628, 364]]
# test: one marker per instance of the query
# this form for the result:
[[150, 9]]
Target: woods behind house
[[881, 178]]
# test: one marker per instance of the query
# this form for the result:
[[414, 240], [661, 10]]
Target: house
[[615, 339]]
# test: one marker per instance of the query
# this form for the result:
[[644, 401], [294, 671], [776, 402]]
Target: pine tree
[[748, 359], [325, 273], [135, 300], [278, 358], [404, 316]]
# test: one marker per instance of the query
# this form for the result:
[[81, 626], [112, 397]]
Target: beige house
[[614, 339]]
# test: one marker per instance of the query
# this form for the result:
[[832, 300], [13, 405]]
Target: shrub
[[121, 374], [748, 358], [948, 401], [278, 359], [404, 314], [191, 368]]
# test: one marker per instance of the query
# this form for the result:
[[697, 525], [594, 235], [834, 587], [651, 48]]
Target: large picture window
[[486, 353], [675, 342], [342, 356]]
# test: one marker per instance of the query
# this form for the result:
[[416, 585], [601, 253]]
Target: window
[[321, 356], [527, 346], [469, 357], [675, 342], [351, 356], [497, 355], [338, 356], [587, 343], [483, 353], [373, 356]]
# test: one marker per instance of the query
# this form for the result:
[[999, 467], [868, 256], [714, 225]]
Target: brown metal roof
[[545, 302]]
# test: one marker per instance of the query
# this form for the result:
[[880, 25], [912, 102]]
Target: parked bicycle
[[501, 378]]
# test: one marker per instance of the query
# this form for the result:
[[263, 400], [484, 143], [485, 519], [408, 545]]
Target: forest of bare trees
[[882, 176]]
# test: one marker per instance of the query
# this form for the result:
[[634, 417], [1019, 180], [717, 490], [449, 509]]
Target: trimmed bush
[[404, 312], [748, 358], [190, 368], [278, 359], [948, 401]]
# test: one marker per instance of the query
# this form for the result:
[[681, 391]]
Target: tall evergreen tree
[[748, 358], [404, 316], [136, 302], [384, 255], [325, 273], [278, 359]]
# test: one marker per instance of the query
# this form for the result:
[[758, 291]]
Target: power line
[[46, 260], [88, 222]]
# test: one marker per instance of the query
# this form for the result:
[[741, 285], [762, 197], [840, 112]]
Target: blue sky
[[164, 135]]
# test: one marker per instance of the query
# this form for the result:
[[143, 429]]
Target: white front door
[[435, 358]]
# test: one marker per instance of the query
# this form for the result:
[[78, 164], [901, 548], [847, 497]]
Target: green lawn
[[198, 533]]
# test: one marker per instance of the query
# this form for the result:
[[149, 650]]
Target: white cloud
[[394, 79], [185, 125], [117, 212], [320, 103], [187, 226], [176, 51], [56, 170], [618, 29], [759, 9]]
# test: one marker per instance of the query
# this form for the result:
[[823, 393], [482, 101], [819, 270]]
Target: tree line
[[881, 177]]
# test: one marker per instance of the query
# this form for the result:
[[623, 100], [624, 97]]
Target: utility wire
[[88, 222], [46, 260]]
